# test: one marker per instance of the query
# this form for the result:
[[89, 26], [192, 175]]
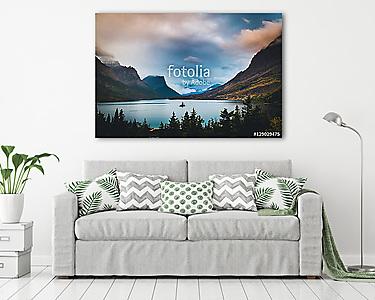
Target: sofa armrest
[[309, 212], [65, 212]]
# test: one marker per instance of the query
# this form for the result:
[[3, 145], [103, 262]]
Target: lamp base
[[361, 269]]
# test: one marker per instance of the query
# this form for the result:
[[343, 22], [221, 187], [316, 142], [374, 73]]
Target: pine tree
[[225, 121], [196, 122], [174, 123], [237, 122], [121, 116], [185, 122], [145, 124], [115, 117], [199, 122]]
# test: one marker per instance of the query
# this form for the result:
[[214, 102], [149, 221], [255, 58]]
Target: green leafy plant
[[15, 172]]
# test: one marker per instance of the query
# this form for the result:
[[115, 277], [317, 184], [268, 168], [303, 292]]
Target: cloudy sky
[[224, 43]]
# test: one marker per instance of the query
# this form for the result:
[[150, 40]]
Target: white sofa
[[222, 243]]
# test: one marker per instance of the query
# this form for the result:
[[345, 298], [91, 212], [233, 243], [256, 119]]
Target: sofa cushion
[[242, 225], [131, 225]]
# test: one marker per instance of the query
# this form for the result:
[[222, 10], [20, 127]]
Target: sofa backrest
[[175, 170], [182, 170], [200, 170]]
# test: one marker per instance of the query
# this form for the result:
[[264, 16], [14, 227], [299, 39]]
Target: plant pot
[[11, 207]]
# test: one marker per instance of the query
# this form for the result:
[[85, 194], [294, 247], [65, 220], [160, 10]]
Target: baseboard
[[350, 259], [41, 260]]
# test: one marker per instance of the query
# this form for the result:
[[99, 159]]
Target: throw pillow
[[186, 198], [139, 191], [95, 195], [234, 192], [276, 192]]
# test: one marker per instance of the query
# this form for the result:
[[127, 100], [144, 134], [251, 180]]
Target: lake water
[[160, 110]]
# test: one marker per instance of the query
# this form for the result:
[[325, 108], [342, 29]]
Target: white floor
[[40, 284]]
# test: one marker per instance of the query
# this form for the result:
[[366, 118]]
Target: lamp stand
[[361, 267]]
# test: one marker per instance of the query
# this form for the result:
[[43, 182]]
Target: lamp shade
[[334, 118]]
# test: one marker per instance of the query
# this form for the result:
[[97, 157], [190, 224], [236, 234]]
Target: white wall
[[47, 101]]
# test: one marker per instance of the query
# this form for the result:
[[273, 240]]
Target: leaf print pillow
[[96, 195], [276, 192]]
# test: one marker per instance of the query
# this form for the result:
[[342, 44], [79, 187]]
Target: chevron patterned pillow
[[139, 191], [234, 191]]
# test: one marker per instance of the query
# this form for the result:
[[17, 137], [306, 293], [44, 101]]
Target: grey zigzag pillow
[[234, 191], [139, 191]]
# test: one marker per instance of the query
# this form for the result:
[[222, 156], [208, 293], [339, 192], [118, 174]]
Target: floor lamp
[[336, 119]]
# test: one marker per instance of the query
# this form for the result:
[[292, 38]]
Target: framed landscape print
[[188, 75]]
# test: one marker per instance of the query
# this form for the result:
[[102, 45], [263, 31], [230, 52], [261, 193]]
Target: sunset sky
[[224, 43]]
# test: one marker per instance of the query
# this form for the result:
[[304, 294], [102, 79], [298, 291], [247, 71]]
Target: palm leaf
[[274, 206], [262, 196], [289, 190], [301, 182], [112, 172], [71, 186], [78, 187], [107, 207], [262, 176], [91, 203], [109, 184]]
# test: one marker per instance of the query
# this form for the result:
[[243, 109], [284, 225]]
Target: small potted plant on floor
[[14, 173]]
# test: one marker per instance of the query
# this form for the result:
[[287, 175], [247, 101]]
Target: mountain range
[[261, 79], [115, 82], [158, 84], [214, 86]]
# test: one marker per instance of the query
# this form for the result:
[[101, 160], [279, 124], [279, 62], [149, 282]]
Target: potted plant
[[14, 174]]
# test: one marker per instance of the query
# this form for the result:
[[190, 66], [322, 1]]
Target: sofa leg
[[312, 277]]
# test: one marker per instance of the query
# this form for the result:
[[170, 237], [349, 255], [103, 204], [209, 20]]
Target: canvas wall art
[[188, 75]]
